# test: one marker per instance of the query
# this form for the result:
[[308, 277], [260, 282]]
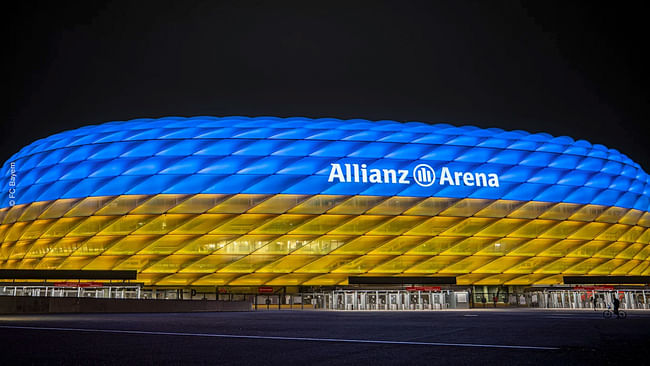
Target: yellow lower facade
[[313, 240]]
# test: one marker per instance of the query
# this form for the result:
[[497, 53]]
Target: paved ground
[[476, 337]]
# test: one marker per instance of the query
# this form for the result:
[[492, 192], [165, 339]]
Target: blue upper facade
[[268, 155]]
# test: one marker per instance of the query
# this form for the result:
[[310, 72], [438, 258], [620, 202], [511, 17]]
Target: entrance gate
[[583, 299], [388, 300], [73, 290]]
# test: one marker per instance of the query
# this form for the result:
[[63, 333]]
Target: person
[[616, 303], [593, 301], [483, 300], [494, 300]]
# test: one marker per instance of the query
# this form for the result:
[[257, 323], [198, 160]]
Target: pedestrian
[[594, 301], [494, 300], [617, 303], [483, 300]]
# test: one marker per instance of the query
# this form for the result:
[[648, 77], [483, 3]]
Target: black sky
[[573, 69]]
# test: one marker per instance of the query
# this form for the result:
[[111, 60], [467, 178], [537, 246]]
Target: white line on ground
[[311, 339]]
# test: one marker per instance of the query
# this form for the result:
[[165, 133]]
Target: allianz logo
[[423, 175]]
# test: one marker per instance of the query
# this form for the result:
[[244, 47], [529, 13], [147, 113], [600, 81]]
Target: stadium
[[247, 204]]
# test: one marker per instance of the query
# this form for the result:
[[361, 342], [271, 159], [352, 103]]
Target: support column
[[377, 303]]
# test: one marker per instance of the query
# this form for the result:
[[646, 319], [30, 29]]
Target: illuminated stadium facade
[[239, 201]]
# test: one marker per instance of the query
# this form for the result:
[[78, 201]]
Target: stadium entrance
[[413, 298], [590, 297]]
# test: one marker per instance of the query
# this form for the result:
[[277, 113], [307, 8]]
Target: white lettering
[[390, 175], [337, 173], [12, 183], [402, 176], [445, 176], [423, 174], [481, 180], [493, 180], [468, 179], [457, 176], [375, 176]]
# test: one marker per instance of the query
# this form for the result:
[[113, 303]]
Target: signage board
[[423, 288], [592, 288], [78, 284]]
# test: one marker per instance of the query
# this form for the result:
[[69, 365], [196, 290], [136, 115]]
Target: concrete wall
[[30, 304]]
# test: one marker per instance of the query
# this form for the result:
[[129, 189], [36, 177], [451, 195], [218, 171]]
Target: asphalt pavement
[[469, 337]]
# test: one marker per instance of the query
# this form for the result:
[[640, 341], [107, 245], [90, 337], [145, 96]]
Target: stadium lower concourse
[[325, 213]]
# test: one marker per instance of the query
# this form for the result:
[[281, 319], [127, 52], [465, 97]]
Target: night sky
[[564, 68]]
